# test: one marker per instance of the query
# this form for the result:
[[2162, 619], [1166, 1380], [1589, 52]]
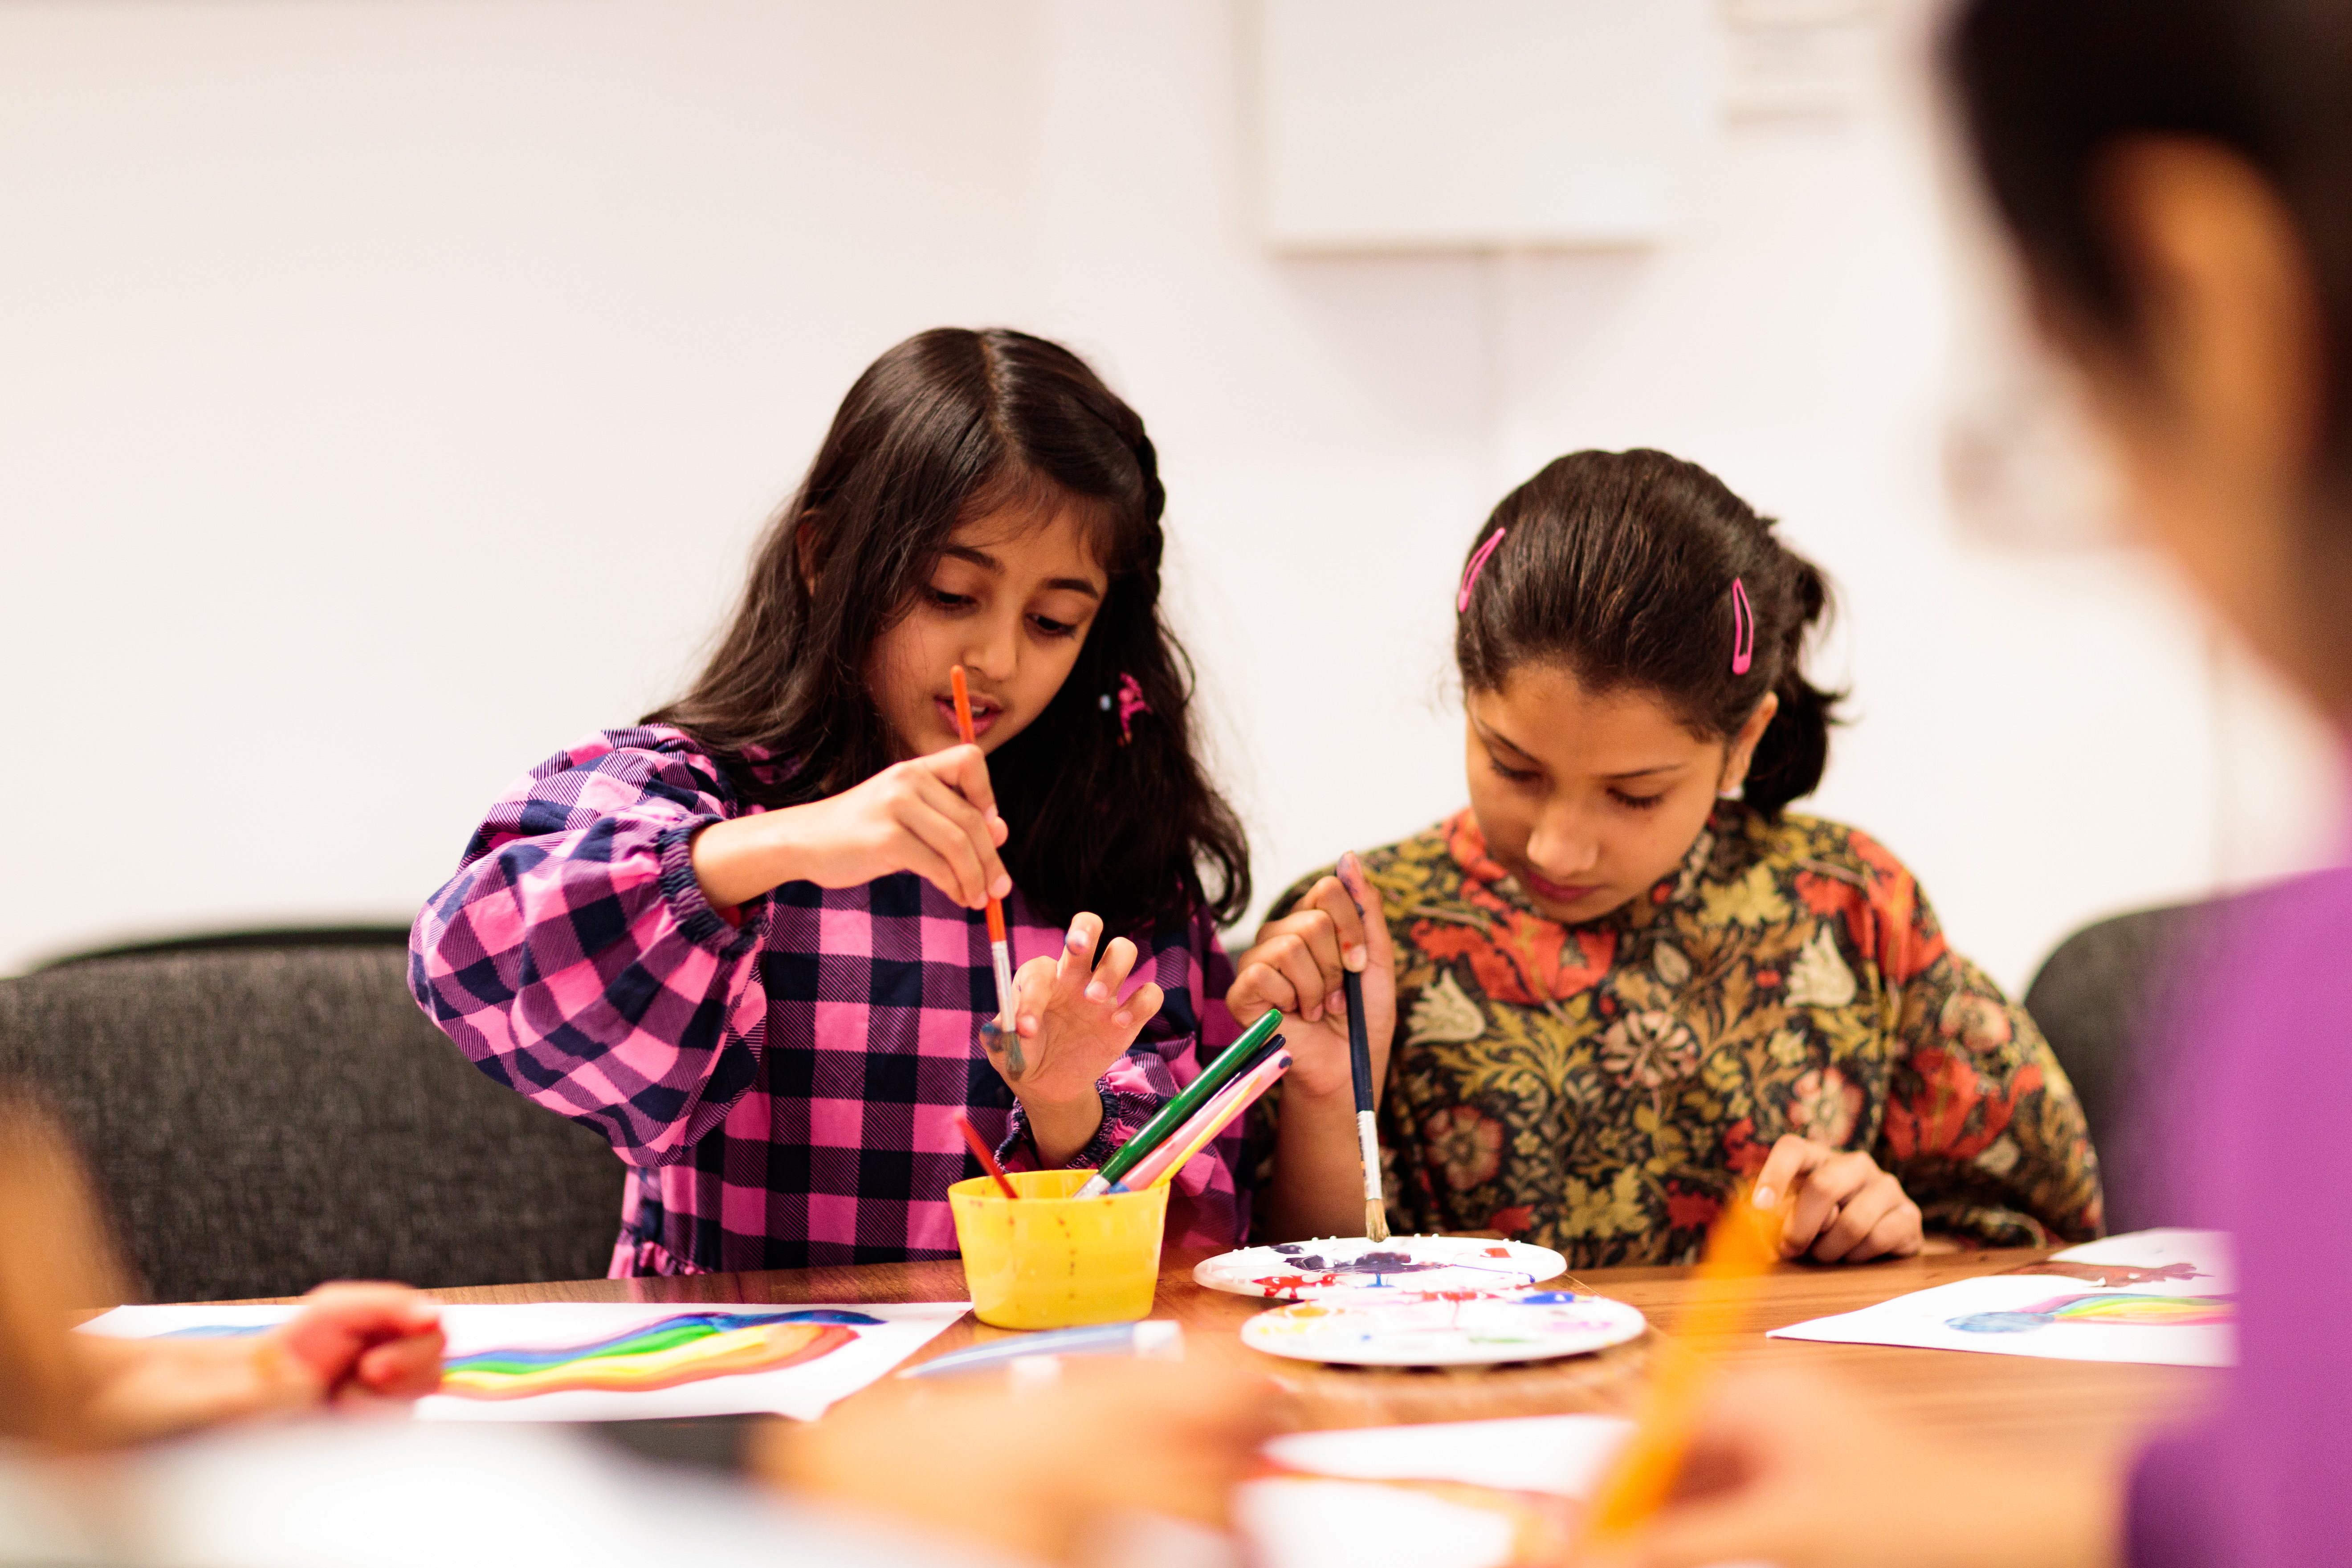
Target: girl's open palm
[[1074, 1023]]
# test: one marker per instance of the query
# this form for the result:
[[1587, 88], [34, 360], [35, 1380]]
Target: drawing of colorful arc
[[2117, 1308], [685, 1348]]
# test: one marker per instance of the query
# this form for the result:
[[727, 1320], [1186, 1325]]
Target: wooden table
[[2019, 1401]]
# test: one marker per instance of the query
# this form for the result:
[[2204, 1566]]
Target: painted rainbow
[[686, 1347], [2117, 1309]]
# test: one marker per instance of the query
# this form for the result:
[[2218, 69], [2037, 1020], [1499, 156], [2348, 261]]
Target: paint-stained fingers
[[1032, 987], [1380, 949], [1840, 1241], [1792, 1157], [1078, 959], [976, 828], [1118, 963], [1820, 1194], [1138, 1010], [1330, 897]]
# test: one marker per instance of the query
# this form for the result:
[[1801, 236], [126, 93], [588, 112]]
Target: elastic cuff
[[1019, 1146], [701, 924]]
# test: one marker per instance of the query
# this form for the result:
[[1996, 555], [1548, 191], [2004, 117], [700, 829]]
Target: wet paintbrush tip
[[992, 1035]]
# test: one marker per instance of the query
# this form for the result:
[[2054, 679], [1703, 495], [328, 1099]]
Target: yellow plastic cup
[[1050, 1260]]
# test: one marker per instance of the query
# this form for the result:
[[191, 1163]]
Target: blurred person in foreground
[[2177, 177], [209, 1451], [352, 1344]]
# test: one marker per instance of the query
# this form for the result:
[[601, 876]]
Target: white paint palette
[[1352, 1269], [1452, 1327]]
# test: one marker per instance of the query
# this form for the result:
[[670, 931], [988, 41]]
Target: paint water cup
[[1050, 1260]]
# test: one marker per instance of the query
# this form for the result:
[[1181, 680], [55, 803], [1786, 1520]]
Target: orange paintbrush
[[999, 948], [1740, 1250]]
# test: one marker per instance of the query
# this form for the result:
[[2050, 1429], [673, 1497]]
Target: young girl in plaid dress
[[743, 938]]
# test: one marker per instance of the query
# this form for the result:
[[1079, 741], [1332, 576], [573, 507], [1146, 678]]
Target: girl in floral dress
[[1626, 976]]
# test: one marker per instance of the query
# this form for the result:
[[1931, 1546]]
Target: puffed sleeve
[[574, 959]]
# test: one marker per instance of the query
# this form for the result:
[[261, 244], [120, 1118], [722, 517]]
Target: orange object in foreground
[[1740, 1250]]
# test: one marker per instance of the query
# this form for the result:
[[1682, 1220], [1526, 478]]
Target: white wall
[[390, 388]]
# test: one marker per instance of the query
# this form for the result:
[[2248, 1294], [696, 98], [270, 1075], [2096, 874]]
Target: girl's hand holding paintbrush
[[1073, 1023], [1299, 965], [934, 815]]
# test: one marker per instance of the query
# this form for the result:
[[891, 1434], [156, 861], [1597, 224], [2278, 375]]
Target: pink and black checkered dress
[[781, 1090]]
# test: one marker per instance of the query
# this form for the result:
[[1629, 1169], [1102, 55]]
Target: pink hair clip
[[1131, 703], [1743, 630], [1477, 565]]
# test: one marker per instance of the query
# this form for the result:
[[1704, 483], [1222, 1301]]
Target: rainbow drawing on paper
[[686, 1347], [2115, 1309]]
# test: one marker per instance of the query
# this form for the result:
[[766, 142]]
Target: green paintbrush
[[1173, 1115]]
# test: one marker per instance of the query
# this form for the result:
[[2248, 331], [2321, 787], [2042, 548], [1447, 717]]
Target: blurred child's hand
[[1297, 967], [1839, 1206], [933, 816], [1026, 1470], [349, 1343], [1792, 1471], [1074, 1026], [380, 1342]]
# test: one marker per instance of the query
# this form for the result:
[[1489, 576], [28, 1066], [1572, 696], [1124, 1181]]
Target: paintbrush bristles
[[1376, 1221]]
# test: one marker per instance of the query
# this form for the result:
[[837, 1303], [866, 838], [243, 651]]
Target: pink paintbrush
[[1163, 1163]]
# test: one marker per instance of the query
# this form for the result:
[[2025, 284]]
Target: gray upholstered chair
[[2107, 998], [264, 1113], [2101, 998]]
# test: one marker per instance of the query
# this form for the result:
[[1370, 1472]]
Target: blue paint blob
[[1999, 1323]]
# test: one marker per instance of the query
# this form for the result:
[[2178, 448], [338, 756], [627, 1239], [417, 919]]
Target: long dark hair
[[1119, 819], [1620, 566]]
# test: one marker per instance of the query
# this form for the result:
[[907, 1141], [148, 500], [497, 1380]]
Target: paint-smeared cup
[[1052, 1260]]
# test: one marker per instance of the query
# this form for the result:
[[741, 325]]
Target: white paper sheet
[[1461, 1494], [2156, 1295], [716, 1371]]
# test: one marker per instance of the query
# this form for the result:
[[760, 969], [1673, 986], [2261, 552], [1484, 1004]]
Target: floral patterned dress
[[1597, 1088]]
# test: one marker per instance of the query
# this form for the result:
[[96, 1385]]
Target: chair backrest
[[263, 1119], [2107, 999], [2100, 998]]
